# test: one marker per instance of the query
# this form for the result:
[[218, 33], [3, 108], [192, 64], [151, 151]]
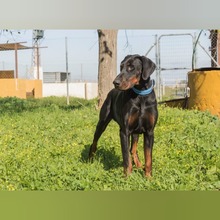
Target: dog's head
[[133, 69]]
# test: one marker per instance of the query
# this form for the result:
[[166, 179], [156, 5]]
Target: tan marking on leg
[[148, 162], [135, 156]]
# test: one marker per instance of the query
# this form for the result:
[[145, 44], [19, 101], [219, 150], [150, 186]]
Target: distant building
[[55, 77]]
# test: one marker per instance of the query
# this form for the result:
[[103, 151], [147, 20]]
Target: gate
[[173, 63]]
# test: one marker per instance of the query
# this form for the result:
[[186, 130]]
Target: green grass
[[44, 145]]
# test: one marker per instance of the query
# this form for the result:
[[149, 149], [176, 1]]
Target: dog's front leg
[[124, 137], [133, 150]]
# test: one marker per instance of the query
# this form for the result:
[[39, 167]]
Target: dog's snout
[[116, 82]]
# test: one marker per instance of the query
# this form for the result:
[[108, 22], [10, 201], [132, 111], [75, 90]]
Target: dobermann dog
[[132, 104]]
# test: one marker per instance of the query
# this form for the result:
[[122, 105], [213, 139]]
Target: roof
[[12, 46]]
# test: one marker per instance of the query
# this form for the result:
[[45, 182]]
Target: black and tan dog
[[132, 104]]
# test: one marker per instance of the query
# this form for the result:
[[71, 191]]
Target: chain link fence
[[8, 63], [174, 61], [177, 54], [213, 38]]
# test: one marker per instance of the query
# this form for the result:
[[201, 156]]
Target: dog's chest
[[140, 118]]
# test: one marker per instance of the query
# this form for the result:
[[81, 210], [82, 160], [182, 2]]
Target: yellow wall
[[20, 88], [205, 91]]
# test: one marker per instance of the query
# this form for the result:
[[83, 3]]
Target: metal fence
[[174, 61], [177, 54], [174, 54]]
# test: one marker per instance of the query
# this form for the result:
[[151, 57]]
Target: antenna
[[36, 37]]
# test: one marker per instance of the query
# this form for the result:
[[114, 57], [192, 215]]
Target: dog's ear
[[148, 67]]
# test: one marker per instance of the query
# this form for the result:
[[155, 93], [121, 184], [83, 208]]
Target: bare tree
[[107, 62], [10, 34]]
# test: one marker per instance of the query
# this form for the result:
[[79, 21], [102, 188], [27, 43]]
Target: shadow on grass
[[78, 104], [17, 105], [74, 106], [107, 157]]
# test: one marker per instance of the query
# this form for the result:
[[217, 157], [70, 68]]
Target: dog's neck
[[146, 89], [144, 84]]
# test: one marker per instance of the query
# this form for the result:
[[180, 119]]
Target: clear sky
[[83, 49]]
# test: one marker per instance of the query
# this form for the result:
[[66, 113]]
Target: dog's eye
[[130, 68]]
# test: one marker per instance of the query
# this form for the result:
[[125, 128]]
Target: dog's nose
[[116, 83]]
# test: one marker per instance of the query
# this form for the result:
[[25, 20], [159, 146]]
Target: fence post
[[86, 91], [195, 52], [81, 65], [67, 75], [157, 68]]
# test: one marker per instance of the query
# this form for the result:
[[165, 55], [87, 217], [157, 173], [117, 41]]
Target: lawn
[[44, 145]]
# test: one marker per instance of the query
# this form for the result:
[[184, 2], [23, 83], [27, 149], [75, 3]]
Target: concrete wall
[[80, 90]]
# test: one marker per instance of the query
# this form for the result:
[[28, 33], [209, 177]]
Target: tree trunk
[[107, 63]]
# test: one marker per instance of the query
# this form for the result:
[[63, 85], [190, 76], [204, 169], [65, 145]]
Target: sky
[[175, 51]]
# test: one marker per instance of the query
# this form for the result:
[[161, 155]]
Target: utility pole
[[37, 36]]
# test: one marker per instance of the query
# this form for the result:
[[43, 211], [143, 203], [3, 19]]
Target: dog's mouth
[[125, 85]]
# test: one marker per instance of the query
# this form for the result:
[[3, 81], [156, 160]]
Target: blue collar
[[146, 91]]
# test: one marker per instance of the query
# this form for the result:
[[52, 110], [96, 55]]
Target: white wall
[[80, 90]]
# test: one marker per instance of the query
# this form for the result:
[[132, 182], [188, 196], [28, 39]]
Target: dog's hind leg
[[148, 148], [133, 150], [105, 117]]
